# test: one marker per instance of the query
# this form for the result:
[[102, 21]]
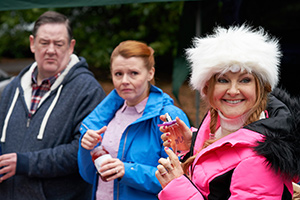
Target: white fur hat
[[234, 49]]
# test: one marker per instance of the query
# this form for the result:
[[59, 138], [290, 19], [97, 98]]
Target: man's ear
[[31, 40], [72, 45]]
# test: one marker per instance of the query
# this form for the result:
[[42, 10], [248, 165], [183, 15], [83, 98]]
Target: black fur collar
[[281, 146]]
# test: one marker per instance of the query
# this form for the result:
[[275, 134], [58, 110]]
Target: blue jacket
[[140, 146]]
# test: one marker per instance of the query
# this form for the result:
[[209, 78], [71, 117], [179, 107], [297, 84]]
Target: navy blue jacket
[[47, 144]]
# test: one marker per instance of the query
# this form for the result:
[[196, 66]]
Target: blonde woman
[[247, 146]]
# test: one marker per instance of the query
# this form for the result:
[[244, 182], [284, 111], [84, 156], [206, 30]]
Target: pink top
[[123, 118]]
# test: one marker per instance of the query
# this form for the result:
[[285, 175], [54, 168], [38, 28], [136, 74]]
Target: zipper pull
[[28, 122]]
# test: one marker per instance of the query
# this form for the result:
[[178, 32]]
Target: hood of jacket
[[22, 85], [75, 67], [281, 144]]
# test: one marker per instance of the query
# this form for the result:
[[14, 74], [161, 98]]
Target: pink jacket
[[234, 167]]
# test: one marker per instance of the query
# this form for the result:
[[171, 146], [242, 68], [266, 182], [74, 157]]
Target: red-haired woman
[[128, 117]]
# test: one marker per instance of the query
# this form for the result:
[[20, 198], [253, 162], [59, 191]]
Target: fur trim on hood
[[234, 49], [281, 146]]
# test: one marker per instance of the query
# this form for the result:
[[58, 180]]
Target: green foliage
[[98, 30], [15, 29]]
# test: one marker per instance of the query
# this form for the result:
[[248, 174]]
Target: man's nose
[[51, 48]]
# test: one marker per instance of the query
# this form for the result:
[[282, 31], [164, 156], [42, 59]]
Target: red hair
[[131, 48]]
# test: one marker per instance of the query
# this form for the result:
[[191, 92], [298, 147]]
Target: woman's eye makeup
[[222, 80]]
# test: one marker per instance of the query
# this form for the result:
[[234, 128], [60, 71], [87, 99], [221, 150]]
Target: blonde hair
[[262, 91]]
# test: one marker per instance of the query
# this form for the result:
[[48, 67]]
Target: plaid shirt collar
[[38, 91], [48, 82]]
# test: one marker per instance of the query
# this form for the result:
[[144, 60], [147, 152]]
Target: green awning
[[28, 4]]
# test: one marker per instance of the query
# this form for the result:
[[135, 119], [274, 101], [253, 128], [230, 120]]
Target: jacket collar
[[282, 133], [106, 110], [25, 77]]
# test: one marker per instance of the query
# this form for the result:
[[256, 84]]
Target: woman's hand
[[91, 138], [181, 130], [168, 169], [111, 169]]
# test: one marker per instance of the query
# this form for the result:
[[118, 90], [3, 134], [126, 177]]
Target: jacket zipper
[[122, 158], [28, 122]]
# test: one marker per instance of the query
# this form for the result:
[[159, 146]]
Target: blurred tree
[[15, 28], [98, 30]]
